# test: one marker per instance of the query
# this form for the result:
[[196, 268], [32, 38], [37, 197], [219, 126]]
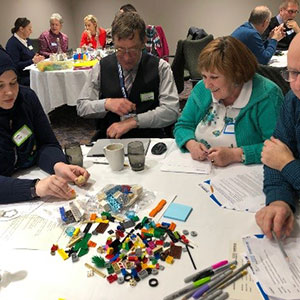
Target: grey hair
[[285, 3], [58, 17], [259, 15]]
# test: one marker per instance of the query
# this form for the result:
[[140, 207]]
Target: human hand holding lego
[[277, 216], [276, 154], [120, 106], [198, 150]]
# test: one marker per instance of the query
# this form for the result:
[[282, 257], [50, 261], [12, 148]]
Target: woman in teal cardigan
[[232, 111]]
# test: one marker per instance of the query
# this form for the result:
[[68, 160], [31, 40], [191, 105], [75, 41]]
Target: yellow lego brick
[[170, 259], [110, 250], [63, 254], [76, 231]]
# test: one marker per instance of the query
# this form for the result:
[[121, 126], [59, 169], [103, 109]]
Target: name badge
[[290, 31], [30, 47], [53, 44], [22, 135], [147, 96], [229, 128]]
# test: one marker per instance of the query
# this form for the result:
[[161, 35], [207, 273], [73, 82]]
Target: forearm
[[49, 155], [14, 190]]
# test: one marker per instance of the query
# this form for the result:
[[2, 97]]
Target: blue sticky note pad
[[178, 211]]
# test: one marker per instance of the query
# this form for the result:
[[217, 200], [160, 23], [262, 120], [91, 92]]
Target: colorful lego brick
[[112, 278], [63, 254], [172, 226], [102, 227], [170, 259], [91, 244], [176, 251]]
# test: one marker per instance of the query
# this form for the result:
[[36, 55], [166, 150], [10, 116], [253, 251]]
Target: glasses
[[130, 51], [292, 11], [289, 76]]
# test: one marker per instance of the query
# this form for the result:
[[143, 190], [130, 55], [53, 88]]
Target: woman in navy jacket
[[26, 139], [20, 49]]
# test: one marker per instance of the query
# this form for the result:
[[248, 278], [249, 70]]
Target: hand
[[54, 186], [277, 216], [224, 156], [116, 130], [198, 150], [276, 154], [120, 106], [70, 172], [278, 33], [37, 58], [292, 24], [89, 34]]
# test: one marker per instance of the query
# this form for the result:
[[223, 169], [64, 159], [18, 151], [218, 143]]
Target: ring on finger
[[212, 161]]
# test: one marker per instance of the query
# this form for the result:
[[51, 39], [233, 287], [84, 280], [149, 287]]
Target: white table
[[49, 277], [56, 88], [279, 61]]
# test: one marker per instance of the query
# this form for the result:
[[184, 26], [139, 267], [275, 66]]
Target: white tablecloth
[[49, 277], [279, 61], [56, 88]]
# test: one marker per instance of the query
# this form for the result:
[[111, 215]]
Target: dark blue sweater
[[285, 185], [263, 51], [21, 56], [41, 148]]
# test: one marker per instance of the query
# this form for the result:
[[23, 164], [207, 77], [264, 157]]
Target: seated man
[[281, 157], [132, 93], [250, 34], [287, 13], [53, 40]]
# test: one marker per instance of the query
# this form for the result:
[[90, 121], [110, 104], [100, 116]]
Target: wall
[[219, 17]]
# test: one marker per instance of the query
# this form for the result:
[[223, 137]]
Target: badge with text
[[229, 128], [22, 135], [30, 47], [147, 96], [53, 44]]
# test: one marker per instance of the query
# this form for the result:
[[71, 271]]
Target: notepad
[[178, 211]]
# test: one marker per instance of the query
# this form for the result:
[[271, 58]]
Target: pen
[[232, 280], [279, 243], [106, 163], [236, 272], [187, 288], [200, 291], [212, 296], [215, 266], [217, 271], [223, 296]]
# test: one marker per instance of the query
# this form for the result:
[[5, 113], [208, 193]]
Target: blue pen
[[199, 292]]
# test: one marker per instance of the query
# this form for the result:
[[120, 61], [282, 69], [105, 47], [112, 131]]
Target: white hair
[[58, 17]]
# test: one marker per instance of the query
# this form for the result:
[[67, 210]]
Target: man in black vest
[[131, 93], [288, 10]]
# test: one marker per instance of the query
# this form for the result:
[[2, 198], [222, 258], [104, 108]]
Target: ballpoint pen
[[279, 243], [213, 267]]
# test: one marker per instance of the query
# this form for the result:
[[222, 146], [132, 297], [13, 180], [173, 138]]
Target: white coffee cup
[[114, 153]]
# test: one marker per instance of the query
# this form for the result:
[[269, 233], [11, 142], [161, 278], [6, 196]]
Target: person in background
[[131, 93], [93, 36], [250, 34], [20, 49], [280, 156], [127, 8], [288, 10], [26, 140], [53, 40], [232, 111]]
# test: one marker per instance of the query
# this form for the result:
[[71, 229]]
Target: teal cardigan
[[254, 124]]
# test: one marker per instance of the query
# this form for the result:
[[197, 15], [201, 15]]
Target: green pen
[[188, 288]]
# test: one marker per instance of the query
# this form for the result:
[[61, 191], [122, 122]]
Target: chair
[[156, 43], [186, 57], [273, 73], [35, 45]]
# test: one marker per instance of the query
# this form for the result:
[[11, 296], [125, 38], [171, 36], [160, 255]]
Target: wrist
[[190, 144], [33, 189], [135, 118]]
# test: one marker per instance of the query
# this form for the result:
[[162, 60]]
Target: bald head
[[294, 63], [259, 15]]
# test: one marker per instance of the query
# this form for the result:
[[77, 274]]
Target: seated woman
[[232, 111], [53, 40], [93, 36], [27, 140], [20, 49]]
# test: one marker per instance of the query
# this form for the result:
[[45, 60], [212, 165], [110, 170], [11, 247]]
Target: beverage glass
[[136, 155]]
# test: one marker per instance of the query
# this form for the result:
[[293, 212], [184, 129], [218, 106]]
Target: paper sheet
[[32, 232], [239, 187], [176, 161], [278, 277], [244, 288]]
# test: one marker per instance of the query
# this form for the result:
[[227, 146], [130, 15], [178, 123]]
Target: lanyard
[[122, 83]]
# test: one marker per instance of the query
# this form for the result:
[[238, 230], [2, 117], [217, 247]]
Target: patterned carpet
[[68, 127]]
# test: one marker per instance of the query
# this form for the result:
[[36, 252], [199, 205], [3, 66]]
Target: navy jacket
[[21, 56], [41, 148], [263, 51], [285, 185]]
